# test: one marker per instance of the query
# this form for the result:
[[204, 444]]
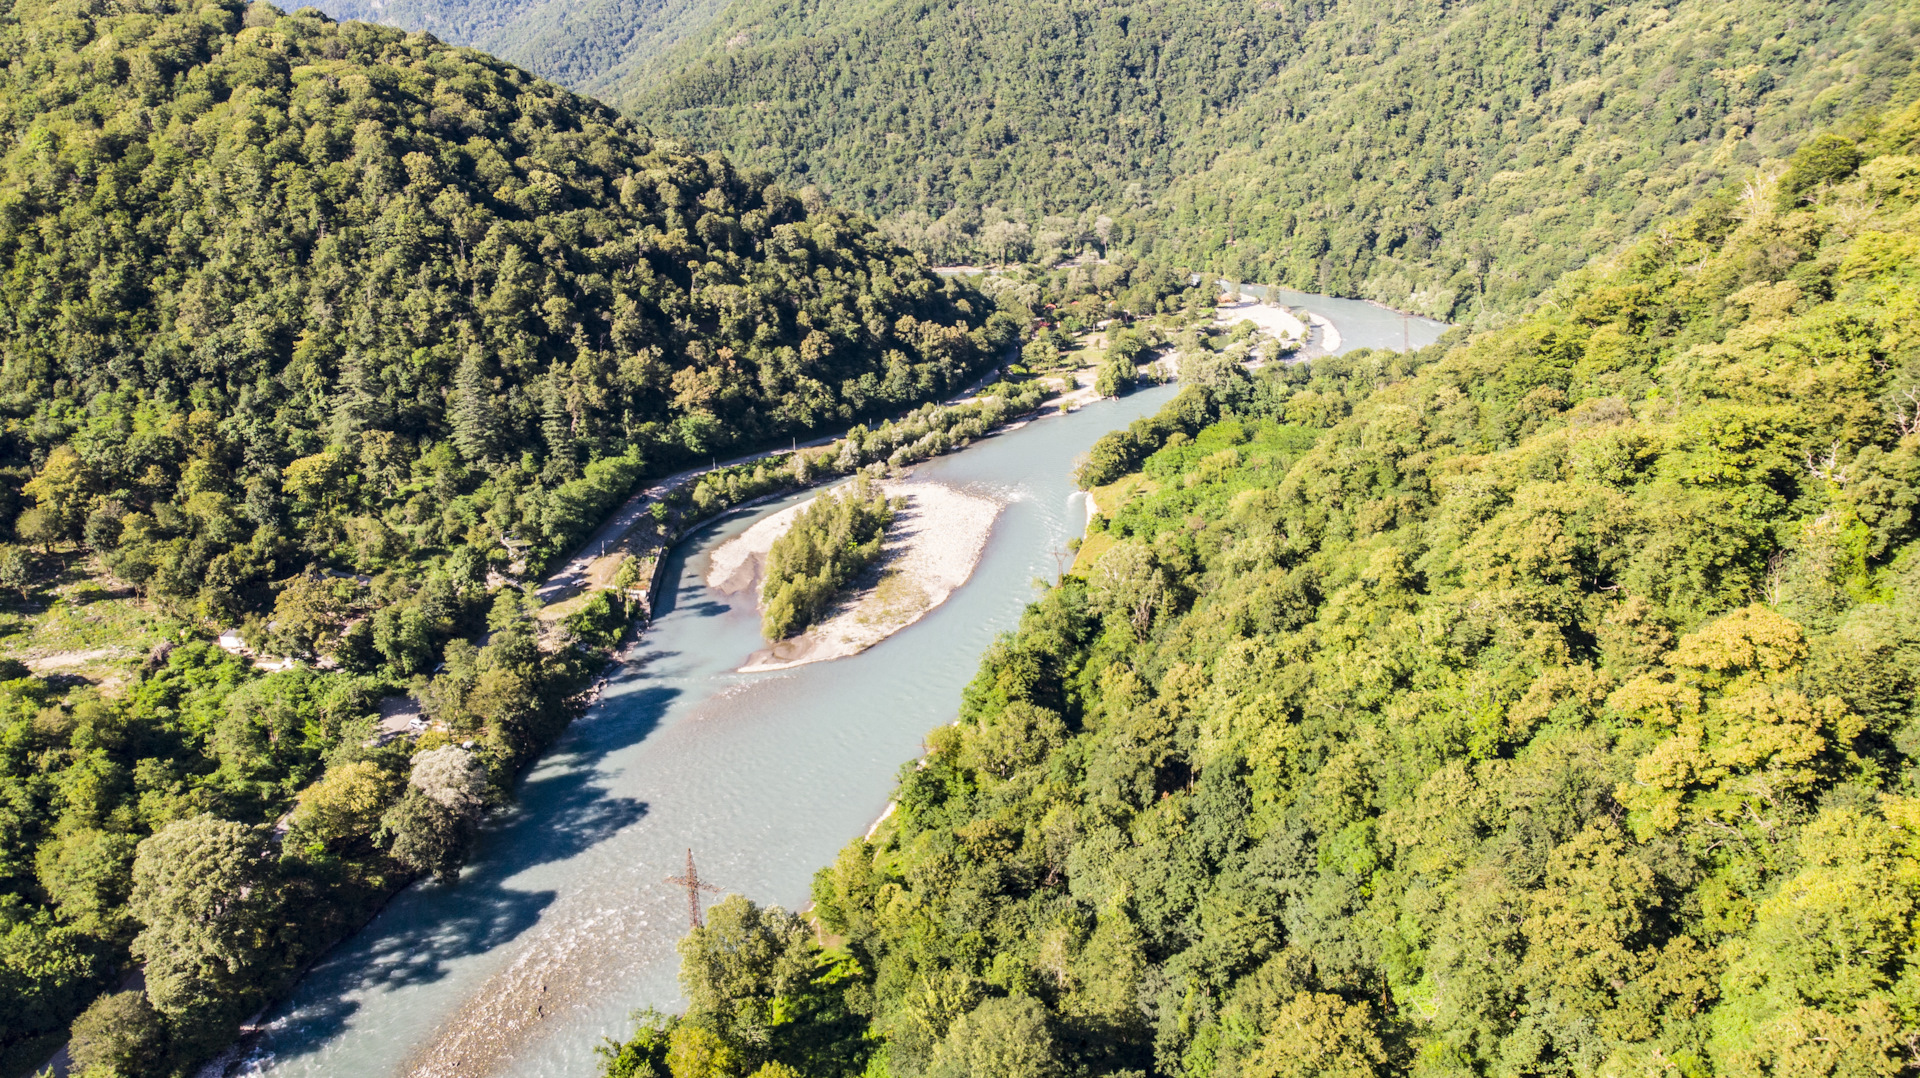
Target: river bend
[[562, 923]]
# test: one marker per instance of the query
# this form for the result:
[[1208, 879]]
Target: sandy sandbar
[[1274, 321], [931, 549], [1329, 333], [737, 564]]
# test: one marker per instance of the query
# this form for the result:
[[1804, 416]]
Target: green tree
[[695, 1051], [1115, 378], [739, 966], [306, 615], [1001, 1038], [205, 891], [118, 1034], [1822, 160], [433, 823], [1126, 346], [476, 427], [17, 571], [87, 873], [39, 526], [1040, 354], [1319, 1035], [644, 1053], [47, 972], [346, 804], [63, 492]]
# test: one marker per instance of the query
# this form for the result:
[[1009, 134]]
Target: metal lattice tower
[[691, 881]]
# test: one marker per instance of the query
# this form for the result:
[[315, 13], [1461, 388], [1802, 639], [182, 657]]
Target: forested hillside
[[1541, 703], [584, 46], [1453, 159], [315, 330], [326, 291]]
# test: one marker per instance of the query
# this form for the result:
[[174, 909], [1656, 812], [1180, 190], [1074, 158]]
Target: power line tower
[[1063, 560], [691, 881]]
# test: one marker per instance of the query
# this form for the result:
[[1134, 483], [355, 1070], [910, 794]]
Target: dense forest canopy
[[1540, 703], [1453, 159], [319, 329], [275, 289]]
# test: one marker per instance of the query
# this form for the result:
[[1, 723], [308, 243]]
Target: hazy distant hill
[[585, 46]]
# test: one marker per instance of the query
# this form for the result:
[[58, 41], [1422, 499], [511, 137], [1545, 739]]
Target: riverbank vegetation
[[331, 334], [1075, 299], [828, 545], [221, 825], [1540, 702]]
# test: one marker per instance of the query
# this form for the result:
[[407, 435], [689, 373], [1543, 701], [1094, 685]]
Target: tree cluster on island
[[829, 543]]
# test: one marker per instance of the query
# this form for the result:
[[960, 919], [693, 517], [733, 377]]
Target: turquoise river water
[[1361, 324], [564, 922]]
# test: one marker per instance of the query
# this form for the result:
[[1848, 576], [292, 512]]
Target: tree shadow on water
[[560, 813], [684, 590], [705, 608], [413, 942], [688, 592]]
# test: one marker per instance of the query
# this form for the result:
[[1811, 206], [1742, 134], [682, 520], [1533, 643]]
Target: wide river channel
[[564, 922]]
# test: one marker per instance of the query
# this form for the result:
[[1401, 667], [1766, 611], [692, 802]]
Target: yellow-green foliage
[[1540, 704]]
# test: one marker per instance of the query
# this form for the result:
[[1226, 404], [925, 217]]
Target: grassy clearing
[[1115, 495], [1091, 548], [82, 625], [1109, 500]]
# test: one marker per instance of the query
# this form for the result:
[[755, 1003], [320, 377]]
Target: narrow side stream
[[564, 924]]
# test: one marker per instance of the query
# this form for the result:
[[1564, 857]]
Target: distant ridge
[[1449, 159]]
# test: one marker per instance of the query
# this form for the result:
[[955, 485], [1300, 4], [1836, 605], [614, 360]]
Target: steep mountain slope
[[586, 47], [1050, 107], [1453, 159], [1542, 703], [311, 329], [248, 257]]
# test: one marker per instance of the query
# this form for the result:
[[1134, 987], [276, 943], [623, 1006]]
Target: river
[[1362, 324], [564, 923]]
